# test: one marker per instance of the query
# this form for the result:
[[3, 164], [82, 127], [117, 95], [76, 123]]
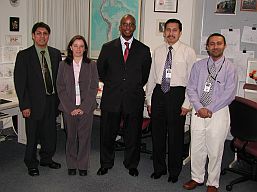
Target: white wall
[[184, 14], [149, 36], [7, 11]]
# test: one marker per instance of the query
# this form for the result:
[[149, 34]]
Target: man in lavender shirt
[[210, 92]]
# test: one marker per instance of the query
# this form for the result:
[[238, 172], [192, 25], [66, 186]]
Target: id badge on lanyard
[[77, 90], [168, 73], [207, 87]]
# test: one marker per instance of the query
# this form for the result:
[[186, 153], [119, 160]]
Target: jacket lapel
[[36, 64], [118, 50]]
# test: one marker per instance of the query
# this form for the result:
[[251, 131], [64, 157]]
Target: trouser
[[207, 140], [109, 126], [165, 117], [41, 131], [78, 144]]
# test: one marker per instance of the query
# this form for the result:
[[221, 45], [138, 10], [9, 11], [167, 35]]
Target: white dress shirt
[[122, 40], [183, 58], [76, 70]]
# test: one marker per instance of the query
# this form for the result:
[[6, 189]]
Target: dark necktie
[[206, 97], [46, 74], [126, 52], [165, 85]]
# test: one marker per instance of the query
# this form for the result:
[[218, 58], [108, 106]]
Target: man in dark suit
[[35, 75], [123, 66]]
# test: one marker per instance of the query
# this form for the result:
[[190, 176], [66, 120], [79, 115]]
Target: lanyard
[[214, 78]]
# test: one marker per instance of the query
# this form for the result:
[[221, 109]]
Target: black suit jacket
[[123, 82], [29, 82]]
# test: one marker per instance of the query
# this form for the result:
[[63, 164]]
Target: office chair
[[146, 132], [243, 114]]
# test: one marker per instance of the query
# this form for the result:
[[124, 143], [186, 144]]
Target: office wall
[[210, 22], [149, 21], [185, 14], [7, 11]]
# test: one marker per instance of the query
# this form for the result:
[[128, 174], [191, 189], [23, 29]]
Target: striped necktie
[[206, 97], [46, 74], [165, 85]]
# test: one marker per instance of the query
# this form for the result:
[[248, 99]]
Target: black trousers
[[166, 120], [109, 126], [43, 132]]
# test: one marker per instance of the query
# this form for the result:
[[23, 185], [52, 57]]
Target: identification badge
[[207, 87], [168, 73], [77, 90]]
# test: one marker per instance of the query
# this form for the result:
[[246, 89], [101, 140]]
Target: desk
[[12, 109]]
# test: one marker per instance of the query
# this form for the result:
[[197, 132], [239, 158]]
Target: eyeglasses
[[128, 24]]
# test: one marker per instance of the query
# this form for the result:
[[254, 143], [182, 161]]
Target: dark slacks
[[109, 125], [41, 131], [166, 120], [78, 144]]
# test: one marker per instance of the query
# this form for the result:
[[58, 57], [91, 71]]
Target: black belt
[[159, 86]]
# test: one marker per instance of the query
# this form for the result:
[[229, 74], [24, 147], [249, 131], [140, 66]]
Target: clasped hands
[[204, 113], [76, 112]]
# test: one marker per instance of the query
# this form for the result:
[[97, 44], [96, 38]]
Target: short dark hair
[[128, 15], [41, 24], [174, 21], [69, 57], [216, 34]]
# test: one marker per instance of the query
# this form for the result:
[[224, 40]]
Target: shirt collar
[[174, 46], [40, 49], [77, 64], [219, 61], [122, 40]]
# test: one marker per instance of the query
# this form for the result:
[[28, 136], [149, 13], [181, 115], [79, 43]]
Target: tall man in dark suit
[[123, 66], [35, 75]]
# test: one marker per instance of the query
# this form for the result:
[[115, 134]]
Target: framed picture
[[105, 21], [226, 7], [15, 3], [160, 26], [14, 23], [169, 6], [251, 77], [13, 40], [248, 5]]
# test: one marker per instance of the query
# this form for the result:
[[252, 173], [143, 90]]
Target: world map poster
[[105, 18]]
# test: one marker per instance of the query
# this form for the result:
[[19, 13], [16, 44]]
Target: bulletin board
[[214, 19], [214, 22]]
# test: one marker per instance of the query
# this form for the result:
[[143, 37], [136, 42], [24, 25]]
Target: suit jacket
[[88, 85], [29, 82], [123, 82]]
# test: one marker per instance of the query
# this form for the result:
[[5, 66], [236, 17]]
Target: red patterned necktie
[[126, 52]]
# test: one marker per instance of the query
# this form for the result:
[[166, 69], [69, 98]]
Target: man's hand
[[204, 113], [184, 111], [77, 112], [26, 113]]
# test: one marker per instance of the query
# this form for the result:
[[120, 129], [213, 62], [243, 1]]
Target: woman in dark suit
[[77, 84]]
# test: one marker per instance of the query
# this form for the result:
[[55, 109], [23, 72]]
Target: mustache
[[169, 36]]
